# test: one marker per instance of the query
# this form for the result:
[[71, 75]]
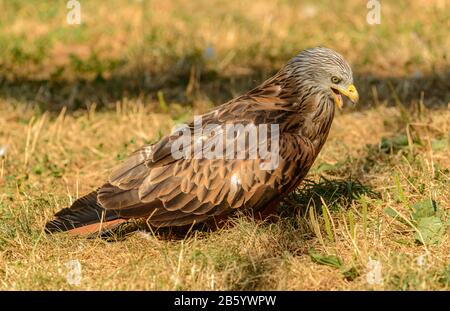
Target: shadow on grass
[[335, 193], [176, 82], [180, 85]]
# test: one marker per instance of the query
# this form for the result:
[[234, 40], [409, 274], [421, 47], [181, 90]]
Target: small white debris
[[309, 11], [418, 74], [234, 182], [209, 52], [145, 235], [73, 276], [3, 150], [374, 275], [420, 260], [212, 283], [235, 179]]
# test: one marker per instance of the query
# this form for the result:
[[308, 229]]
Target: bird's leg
[[218, 222], [269, 212]]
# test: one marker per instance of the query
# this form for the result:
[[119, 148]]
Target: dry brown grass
[[377, 156], [51, 161]]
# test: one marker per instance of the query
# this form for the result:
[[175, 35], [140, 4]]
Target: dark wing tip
[[59, 225], [84, 211]]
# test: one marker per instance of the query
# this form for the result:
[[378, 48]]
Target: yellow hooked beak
[[350, 92]]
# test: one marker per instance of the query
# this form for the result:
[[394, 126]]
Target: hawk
[[290, 113]]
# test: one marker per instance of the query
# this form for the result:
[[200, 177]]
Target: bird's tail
[[85, 216]]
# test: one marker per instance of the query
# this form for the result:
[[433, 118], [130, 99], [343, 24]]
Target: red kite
[[295, 108]]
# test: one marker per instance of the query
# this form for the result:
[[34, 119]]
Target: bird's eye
[[335, 80]]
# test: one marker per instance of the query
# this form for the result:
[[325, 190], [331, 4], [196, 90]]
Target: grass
[[377, 196]]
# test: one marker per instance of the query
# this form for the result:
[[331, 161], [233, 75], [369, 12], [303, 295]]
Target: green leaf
[[327, 167], [444, 278], [431, 229], [120, 156], [326, 218], [439, 144], [396, 215], [403, 241], [162, 102], [391, 212], [350, 273], [425, 208], [393, 143], [37, 169], [328, 260], [400, 193]]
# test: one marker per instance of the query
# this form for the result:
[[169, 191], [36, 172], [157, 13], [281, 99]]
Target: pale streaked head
[[326, 71]]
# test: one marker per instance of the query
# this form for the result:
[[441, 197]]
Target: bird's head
[[325, 71]]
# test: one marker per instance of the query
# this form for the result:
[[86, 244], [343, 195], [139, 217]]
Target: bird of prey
[[168, 190]]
